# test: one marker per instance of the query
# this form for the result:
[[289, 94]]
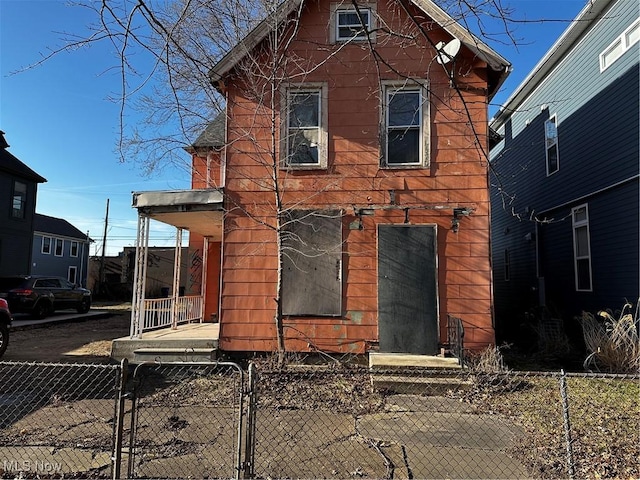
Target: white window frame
[[578, 225], [74, 246], [55, 248], [287, 132], [43, 250], [620, 45], [340, 8], [551, 143], [423, 124]]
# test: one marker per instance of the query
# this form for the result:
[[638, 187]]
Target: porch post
[[203, 282], [176, 279], [139, 277]]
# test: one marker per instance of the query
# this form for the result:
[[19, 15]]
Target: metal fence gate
[[180, 420]]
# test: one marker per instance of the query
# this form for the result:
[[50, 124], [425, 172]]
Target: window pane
[[633, 35], [582, 242], [583, 275], [19, 199], [58, 247], [580, 214], [550, 132], [552, 159], [403, 146], [304, 110], [404, 108], [304, 146], [351, 25], [612, 54]]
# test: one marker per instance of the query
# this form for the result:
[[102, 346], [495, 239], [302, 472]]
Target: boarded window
[[312, 263]]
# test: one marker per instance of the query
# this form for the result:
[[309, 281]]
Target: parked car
[[41, 295], [5, 322]]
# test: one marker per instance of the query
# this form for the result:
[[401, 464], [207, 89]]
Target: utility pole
[[104, 249]]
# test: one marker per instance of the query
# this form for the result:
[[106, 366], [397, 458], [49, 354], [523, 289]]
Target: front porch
[[192, 342], [179, 327]]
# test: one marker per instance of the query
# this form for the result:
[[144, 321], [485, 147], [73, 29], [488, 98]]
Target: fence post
[[116, 458], [249, 439], [567, 424]]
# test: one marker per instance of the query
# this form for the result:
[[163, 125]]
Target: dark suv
[[5, 322], [41, 295]]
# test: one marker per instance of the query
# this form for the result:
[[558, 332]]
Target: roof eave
[[582, 22]]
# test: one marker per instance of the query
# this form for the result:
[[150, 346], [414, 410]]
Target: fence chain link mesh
[[184, 421], [57, 420], [207, 421]]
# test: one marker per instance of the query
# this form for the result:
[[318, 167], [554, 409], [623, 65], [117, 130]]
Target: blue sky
[[58, 119]]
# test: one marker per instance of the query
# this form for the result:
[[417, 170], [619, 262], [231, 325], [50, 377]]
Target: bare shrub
[[612, 343]]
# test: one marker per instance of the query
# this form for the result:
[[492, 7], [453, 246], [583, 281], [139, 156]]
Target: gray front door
[[407, 289]]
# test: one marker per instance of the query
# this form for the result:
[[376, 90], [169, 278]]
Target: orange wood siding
[[456, 176]]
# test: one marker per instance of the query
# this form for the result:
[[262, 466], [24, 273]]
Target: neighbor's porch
[[172, 328]]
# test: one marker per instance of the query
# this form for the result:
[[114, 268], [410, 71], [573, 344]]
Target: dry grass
[[613, 343]]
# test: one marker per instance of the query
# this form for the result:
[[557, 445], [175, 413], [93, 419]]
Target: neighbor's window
[[72, 275], [305, 136], [312, 263], [581, 248], [19, 200], [59, 247], [46, 246], [406, 121], [620, 45], [551, 144], [73, 249]]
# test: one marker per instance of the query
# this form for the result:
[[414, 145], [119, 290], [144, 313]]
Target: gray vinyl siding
[[50, 264], [599, 163]]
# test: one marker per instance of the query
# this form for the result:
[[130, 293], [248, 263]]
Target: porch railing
[[164, 312], [455, 334]]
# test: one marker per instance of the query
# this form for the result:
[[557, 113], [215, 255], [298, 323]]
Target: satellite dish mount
[[446, 53]]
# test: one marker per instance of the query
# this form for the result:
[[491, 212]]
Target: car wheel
[[40, 310], [4, 338], [85, 305]]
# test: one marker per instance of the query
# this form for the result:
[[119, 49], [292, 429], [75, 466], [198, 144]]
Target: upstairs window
[[352, 24], [73, 248], [46, 246], [406, 122], [19, 200], [620, 45], [551, 144], [305, 135], [581, 248], [59, 247]]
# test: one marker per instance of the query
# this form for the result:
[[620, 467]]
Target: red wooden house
[[355, 142]]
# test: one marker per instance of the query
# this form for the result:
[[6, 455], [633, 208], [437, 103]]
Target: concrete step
[[388, 361], [409, 379], [166, 355]]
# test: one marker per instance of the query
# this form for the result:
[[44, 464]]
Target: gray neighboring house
[[60, 249], [18, 191], [565, 200]]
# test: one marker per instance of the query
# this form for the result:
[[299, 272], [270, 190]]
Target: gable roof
[[57, 226], [213, 135], [11, 164], [496, 62], [591, 12]]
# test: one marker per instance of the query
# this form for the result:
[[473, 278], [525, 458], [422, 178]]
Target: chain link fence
[[57, 420], [331, 421]]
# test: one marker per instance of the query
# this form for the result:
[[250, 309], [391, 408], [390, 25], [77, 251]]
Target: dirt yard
[[79, 341]]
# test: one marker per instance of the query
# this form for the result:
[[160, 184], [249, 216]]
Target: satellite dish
[[447, 51]]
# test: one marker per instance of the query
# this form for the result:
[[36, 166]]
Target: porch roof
[[199, 211]]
